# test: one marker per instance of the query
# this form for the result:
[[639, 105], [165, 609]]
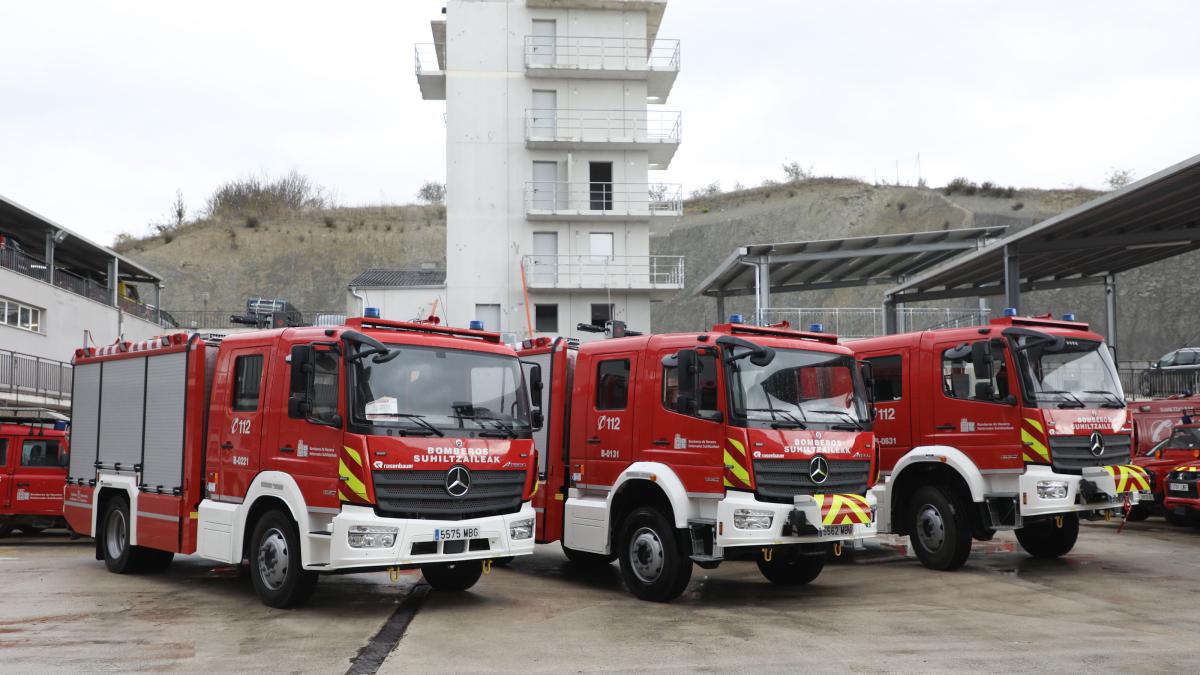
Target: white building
[[58, 291], [549, 144]]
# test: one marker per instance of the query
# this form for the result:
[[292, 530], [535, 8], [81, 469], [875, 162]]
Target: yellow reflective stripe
[[858, 511], [728, 484], [738, 446], [1036, 425], [736, 469], [342, 496], [1034, 444], [353, 455], [356, 486]]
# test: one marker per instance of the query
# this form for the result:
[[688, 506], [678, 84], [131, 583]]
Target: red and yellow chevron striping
[[1036, 448], [1129, 478], [843, 509], [352, 476], [736, 475]]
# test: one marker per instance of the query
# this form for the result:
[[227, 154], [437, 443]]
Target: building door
[[489, 315], [545, 186], [544, 114], [545, 257], [600, 176], [542, 43]]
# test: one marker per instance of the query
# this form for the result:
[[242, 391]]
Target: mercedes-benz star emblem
[[818, 469], [1097, 444], [458, 481]]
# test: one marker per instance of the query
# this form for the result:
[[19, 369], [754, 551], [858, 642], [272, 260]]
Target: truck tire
[[275, 566], [788, 566], [1047, 538], [938, 528], [587, 558], [119, 556], [453, 577], [653, 562]]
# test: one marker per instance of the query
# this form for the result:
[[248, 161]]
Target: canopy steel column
[[721, 316], [1012, 279], [1110, 310], [890, 326], [762, 287]]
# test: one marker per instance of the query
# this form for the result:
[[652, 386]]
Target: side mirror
[[1010, 399], [687, 371], [535, 385], [981, 359], [536, 419], [763, 357]]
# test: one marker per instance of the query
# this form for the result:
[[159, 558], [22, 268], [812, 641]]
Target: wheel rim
[[646, 555], [115, 533], [931, 529], [273, 559]]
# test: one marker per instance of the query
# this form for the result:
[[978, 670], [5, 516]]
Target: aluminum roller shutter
[[166, 388], [85, 421], [122, 389]]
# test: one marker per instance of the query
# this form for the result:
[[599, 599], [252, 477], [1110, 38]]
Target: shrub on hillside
[[262, 195]]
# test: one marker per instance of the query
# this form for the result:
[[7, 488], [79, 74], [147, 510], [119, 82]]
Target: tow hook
[[837, 549], [487, 566], [394, 573], [768, 553]]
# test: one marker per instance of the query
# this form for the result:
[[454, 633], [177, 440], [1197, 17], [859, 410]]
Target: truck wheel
[[453, 577], [1047, 538], [5, 530], [788, 566], [587, 558], [938, 528], [119, 556], [275, 566], [654, 565]]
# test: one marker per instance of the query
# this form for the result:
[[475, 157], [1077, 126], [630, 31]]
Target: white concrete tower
[[549, 145]]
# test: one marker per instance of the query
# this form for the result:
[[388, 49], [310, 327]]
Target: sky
[[108, 108]]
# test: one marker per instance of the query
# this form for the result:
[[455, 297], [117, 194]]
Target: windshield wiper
[[789, 423], [501, 424], [1073, 403], [1114, 401], [419, 420], [852, 422]]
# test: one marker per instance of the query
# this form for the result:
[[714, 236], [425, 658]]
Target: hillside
[[306, 257], [308, 261]]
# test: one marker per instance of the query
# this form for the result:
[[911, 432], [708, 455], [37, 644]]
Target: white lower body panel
[[728, 535]]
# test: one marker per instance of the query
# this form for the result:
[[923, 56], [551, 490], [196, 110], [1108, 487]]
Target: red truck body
[[769, 461], [1020, 424], [1182, 444], [360, 447], [1153, 420], [1182, 499], [32, 474]]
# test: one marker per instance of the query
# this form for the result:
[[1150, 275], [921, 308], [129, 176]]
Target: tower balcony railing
[[429, 66], [613, 126], [597, 272], [425, 58], [555, 200], [601, 53]]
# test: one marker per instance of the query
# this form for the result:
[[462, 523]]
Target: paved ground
[[1128, 602]]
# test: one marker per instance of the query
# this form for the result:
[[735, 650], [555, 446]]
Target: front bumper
[[493, 529], [1095, 490], [783, 516]]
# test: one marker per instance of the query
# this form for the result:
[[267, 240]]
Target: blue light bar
[[1010, 311], [476, 324]]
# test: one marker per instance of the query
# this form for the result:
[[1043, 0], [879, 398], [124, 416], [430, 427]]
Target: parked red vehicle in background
[[1153, 420], [1182, 500], [739, 443], [33, 469], [1159, 460]]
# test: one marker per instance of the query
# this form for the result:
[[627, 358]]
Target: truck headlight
[[1052, 489], [752, 519], [521, 529], [366, 536]]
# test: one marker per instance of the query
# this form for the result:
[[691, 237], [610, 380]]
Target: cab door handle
[[22, 484], [594, 440], [227, 445], [661, 441], [287, 448], [945, 427]]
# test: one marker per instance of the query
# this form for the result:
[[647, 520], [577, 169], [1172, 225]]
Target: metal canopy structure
[[822, 264], [1148, 221]]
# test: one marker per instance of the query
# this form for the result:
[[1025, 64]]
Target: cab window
[[39, 452], [959, 381], [887, 374], [706, 387], [325, 387], [247, 378], [1187, 438], [3, 452], [612, 384]]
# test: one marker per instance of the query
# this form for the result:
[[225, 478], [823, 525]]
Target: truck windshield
[[439, 392], [799, 389], [1076, 374]]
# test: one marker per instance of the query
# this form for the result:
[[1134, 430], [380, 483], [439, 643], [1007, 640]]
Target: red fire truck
[[1181, 445], [1182, 500], [738, 443], [305, 450], [33, 453], [1017, 425], [1153, 420]]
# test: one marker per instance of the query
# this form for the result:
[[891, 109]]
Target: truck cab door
[[39, 477], [6, 482], [893, 406], [690, 440], [609, 419], [972, 413], [241, 413]]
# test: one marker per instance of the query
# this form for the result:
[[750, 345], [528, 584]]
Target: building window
[[20, 315], [612, 385], [247, 378], [545, 318], [602, 313], [600, 246], [886, 372], [39, 453]]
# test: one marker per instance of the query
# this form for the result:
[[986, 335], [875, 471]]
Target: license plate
[[455, 533], [1178, 487], [837, 531]]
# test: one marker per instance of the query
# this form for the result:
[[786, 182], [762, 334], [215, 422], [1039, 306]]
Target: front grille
[[1070, 454], [422, 494], [779, 480]]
